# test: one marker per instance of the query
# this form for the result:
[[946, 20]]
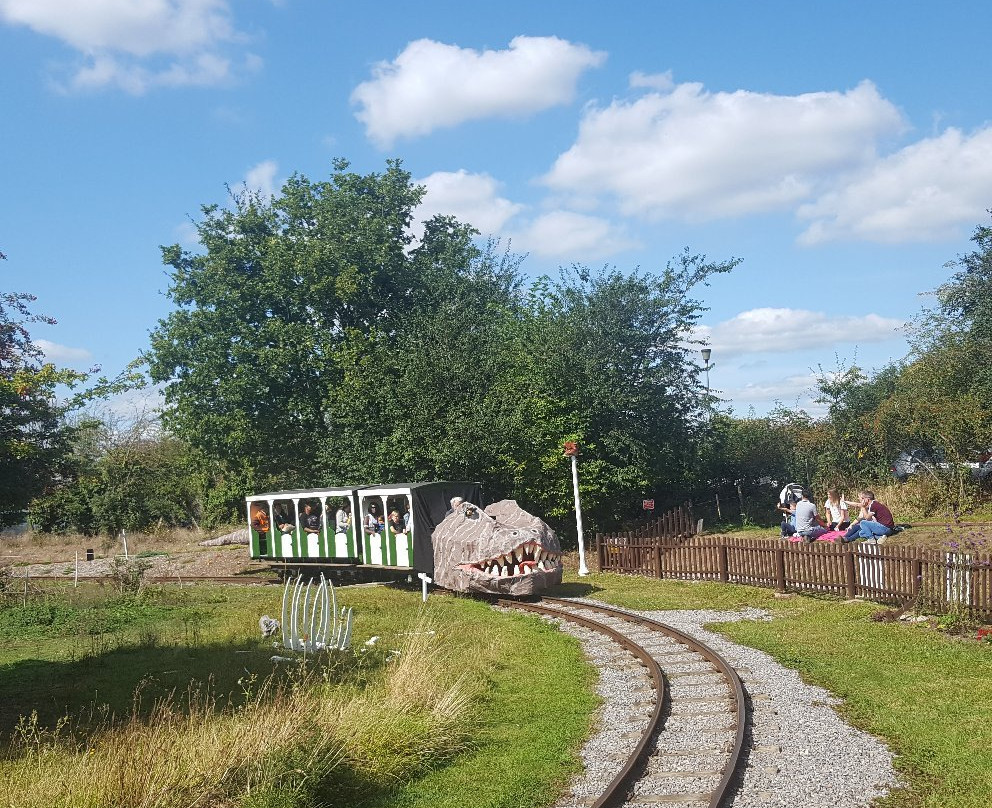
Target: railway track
[[679, 738]]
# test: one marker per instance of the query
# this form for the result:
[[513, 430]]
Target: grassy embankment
[[471, 694], [929, 696]]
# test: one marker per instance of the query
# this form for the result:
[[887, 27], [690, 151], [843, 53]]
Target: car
[[921, 461]]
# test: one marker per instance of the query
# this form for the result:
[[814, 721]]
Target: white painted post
[[583, 569]]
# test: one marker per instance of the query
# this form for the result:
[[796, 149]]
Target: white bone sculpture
[[324, 628]]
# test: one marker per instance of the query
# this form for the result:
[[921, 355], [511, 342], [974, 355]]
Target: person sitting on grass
[[836, 506], [809, 525], [874, 522]]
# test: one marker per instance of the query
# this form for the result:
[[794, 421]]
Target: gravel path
[[802, 754]]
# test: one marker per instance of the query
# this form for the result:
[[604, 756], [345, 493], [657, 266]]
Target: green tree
[[35, 439], [269, 313], [607, 362]]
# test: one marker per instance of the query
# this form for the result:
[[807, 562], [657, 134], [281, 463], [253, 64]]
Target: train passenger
[[260, 519], [396, 523], [342, 518], [311, 519], [372, 519], [284, 522], [455, 502]]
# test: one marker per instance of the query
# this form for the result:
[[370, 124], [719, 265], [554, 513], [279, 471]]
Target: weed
[[128, 574]]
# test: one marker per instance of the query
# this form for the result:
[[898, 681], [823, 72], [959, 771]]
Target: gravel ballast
[[801, 753]]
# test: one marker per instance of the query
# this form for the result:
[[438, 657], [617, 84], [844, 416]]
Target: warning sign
[[647, 504]]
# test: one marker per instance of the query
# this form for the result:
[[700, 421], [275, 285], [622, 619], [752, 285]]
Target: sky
[[841, 150]]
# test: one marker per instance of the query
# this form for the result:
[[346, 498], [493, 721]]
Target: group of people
[[803, 520], [397, 522], [310, 518]]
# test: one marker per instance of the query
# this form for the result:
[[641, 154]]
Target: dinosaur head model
[[502, 550]]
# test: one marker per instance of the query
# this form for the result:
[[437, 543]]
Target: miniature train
[[395, 527]]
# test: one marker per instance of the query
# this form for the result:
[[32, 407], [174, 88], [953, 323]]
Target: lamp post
[[707, 366], [572, 451]]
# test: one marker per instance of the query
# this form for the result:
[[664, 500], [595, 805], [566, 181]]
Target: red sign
[[647, 504]]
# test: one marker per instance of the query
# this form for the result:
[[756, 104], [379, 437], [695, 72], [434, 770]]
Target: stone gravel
[[801, 753]]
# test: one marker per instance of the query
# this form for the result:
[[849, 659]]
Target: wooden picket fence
[[935, 581]]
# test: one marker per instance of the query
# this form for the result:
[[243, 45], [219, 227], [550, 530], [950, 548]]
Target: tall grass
[[292, 739]]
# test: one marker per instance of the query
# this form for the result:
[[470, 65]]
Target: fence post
[[850, 573], [722, 562], [780, 569], [657, 559], [917, 578]]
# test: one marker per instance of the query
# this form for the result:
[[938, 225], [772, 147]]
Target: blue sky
[[843, 150]]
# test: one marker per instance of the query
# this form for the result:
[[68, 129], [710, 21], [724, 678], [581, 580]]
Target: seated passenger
[[342, 518], [260, 519], [284, 522], [874, 522], [372, 519], [395, 523], [311, 519]]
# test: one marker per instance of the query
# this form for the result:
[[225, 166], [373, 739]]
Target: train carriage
[[408, 549]]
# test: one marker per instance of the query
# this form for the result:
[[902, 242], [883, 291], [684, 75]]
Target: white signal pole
[[572, 450]]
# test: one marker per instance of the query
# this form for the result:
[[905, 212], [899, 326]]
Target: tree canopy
[[316, 341], [35, 439]]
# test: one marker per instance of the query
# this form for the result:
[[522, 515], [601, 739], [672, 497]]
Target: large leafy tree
[[35, 439], [607, 362], [315, 342], [283, 298]]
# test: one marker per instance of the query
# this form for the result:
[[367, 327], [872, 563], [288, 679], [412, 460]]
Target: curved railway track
[[686, 702]]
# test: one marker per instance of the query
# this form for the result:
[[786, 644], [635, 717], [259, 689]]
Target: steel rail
[[617, 787], [736, 686]]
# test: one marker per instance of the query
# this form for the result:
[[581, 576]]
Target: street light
[[707, 366]]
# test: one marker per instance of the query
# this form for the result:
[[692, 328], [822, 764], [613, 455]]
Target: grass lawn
[[927, 695], [82, 654]]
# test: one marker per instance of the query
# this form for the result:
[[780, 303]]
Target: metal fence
[[934, 580]]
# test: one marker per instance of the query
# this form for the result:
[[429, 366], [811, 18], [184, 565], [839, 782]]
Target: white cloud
[[262, 178], [471, 198], [570, 236], [787, 330], [656, 81], [697, 155], [786, 390], [137, 44], [62, 354], [926, 191], [432, 85]]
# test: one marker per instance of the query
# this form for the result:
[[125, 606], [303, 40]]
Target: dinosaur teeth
[[503, 573], [517, 555], [537, 553], [516, 569]]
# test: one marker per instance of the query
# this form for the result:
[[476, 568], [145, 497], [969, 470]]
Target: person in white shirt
[[836, 507], [341, 519]]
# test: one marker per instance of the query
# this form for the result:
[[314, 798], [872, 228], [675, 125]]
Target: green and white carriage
[[404, 546]]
